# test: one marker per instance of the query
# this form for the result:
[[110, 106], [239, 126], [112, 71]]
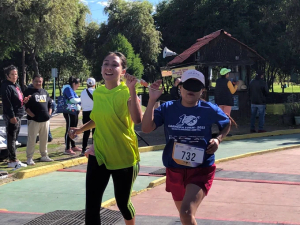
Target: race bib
[[187, 155]]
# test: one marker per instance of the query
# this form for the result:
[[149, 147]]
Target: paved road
[[66, 190]]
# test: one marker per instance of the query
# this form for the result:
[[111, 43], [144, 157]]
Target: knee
[[187, 218]]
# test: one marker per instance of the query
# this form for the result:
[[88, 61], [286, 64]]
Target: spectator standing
[[38, 109], [50, 138], [13, 111], [224, 91], [174, 90], [258, 91], [87, 106], [71, 111]]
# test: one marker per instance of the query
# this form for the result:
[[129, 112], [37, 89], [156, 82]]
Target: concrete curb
[[157, 182], [256, 153], [50, 168], [266, 134], [151, 148]]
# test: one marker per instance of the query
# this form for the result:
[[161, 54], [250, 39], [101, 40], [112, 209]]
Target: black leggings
[[97, 178], [71, 121], [86, 134]]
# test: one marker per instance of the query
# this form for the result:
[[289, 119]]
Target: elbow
[[146, 131], [137, 120]]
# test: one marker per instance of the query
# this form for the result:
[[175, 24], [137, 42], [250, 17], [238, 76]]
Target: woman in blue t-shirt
[[189, 152], [71, 111]]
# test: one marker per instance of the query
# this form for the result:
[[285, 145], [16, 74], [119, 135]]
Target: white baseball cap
[[193, 74], [91, 81]]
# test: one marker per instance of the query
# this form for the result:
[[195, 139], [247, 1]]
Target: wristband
[[219, 139]]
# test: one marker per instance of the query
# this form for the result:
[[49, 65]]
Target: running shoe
[[30, 162], [76, 149], [46, 159], [16, 165], [69, 152]]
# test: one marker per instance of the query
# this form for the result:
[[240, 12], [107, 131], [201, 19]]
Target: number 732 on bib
[[187, 155]]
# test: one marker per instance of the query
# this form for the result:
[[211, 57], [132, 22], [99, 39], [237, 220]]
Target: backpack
[[60, 104]]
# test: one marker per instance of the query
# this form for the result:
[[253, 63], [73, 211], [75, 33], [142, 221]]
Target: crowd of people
[[110, 112]]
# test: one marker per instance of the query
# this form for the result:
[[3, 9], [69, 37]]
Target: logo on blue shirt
[[187, 120]]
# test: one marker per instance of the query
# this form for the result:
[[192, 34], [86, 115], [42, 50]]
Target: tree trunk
[[35, 64], [23, 74]]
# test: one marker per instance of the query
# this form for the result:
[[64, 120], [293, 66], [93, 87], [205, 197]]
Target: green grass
[[49, 89], [58, 132], [291, 89], [23, 149], [55, 152]]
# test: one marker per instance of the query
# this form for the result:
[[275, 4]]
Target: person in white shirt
[[87, 106]]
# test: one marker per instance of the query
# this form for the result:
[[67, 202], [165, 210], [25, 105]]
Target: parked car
[[22, 139]]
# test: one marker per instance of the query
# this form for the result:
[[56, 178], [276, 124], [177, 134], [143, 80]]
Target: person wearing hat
[[224, 91], [174, 90], [87, 107], [258, 90], [189, 152]]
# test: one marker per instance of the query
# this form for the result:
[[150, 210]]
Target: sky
[[97, 9]]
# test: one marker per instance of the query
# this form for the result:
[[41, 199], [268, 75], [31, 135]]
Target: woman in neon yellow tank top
[[116, 109]]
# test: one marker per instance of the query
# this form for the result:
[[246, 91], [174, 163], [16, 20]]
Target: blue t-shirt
[[188, 125]]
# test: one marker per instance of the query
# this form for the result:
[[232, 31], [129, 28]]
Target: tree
[[292, 17], [120, 43], [39, 26], [262, 25], [133, 19]]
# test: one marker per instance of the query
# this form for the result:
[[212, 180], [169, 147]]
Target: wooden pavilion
[[216, 50]]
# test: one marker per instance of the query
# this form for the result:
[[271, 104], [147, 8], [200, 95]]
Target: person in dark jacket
[[224, 91], [258, 91], [174, 90], [54, 107], [38, 109], [13, 111]]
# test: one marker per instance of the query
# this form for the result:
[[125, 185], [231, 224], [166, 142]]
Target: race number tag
[[187, 155]]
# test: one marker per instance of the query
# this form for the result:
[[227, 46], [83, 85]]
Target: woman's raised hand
[[130, 81], [154, 90]]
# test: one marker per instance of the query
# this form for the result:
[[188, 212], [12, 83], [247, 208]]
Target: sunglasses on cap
[[192, 85]]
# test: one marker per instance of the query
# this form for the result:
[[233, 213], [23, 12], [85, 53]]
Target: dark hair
[[37, 76], [8, 69], [73, 80], [121, 56]]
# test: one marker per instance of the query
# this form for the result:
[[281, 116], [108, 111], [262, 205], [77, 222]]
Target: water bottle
[[76, 136]]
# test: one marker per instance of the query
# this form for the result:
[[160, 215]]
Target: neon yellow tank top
[[115, 141]]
